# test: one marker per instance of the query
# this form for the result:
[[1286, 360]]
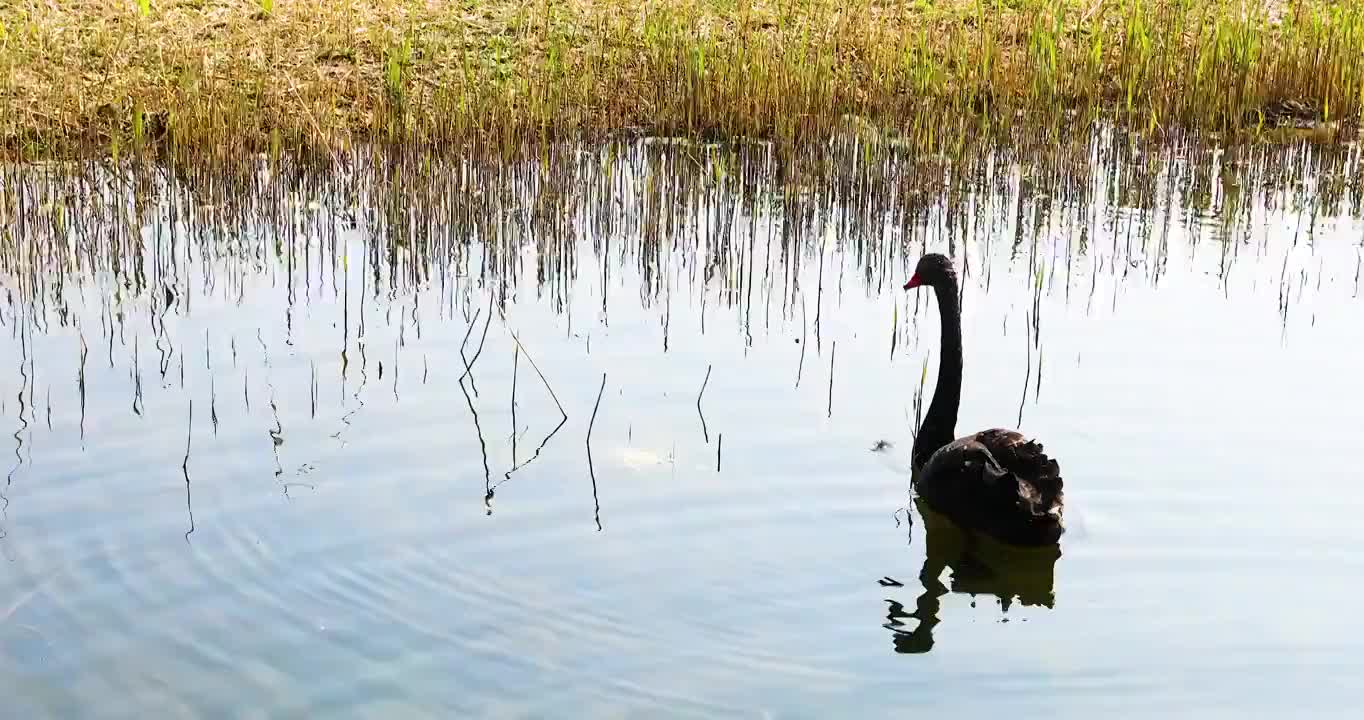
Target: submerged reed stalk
[[591, 470], [704, 432], [184, 469], [833, 352]]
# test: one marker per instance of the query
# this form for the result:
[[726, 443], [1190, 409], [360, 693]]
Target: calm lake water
[[673, 481]]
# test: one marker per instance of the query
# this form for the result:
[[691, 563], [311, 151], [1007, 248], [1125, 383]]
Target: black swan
[[994, 481]]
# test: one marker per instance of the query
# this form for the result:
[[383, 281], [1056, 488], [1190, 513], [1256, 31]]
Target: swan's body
[[999, 482], [996, 481]]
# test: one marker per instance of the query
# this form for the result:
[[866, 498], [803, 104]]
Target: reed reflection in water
[[457, 436]]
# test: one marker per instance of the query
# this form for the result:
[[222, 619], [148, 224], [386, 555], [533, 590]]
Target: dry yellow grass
[[229, 75]]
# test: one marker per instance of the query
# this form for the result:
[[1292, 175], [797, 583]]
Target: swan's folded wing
[[1025, 459]]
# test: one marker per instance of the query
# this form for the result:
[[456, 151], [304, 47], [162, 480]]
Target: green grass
[[219, 78]]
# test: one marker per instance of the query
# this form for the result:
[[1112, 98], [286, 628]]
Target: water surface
[[626, 433]]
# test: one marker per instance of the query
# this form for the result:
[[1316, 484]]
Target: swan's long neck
[[940, 422]]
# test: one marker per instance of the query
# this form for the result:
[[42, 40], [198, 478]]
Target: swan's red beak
[[913, 282]]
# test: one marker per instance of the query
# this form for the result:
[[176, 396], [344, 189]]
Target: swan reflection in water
[[980, 565]]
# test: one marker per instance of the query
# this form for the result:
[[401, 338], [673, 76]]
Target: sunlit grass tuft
[[222, 77]]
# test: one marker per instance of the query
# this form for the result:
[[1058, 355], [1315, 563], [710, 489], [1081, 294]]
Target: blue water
[[329, 546]]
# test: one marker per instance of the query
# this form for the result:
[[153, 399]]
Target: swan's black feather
[[999, 482]]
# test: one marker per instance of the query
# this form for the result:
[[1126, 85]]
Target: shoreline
[[100, 76]]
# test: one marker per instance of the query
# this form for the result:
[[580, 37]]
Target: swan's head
[[932, 270]]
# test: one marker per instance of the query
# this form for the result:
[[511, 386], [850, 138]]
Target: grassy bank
[[235, 74]]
